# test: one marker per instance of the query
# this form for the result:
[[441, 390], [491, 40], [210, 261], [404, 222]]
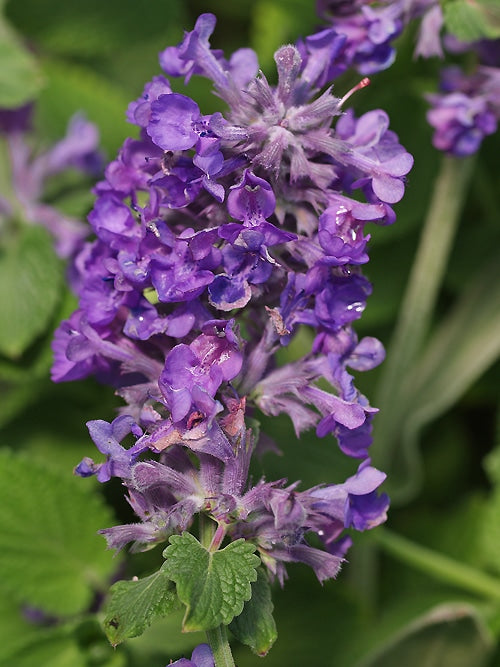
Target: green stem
[[420, 299], [437, 565], [206, 530], [217, 639]]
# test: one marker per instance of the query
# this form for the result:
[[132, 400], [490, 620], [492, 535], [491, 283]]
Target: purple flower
[[107, 438], [201, 657], [467, 110], [367, 32], [219, 238], [379, 155], [172, 122], [460, 123], [139, 112], [193, 373], [355, 502], [31, 171], [166, 495], [251, 200]]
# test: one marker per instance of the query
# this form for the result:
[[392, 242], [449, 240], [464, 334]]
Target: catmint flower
[[466, 111], [201, 657], [367, 32], [167, 494], [31, 170], [218, 237], [467, 108]]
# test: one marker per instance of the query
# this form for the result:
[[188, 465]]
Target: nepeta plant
[[467, 107], [218, 237], [32, 168]]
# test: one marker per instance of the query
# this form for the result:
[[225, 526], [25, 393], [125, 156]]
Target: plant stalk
[[426, 276], [437, 565], [217, 638]]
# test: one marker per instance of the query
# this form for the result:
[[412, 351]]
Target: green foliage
[[30, 287], [489, 543], [50, 555], [255, 626], [472, 20], [163, 637], [134, 604], [277, 23], [23, 644], [213, 585], [466, 343], [74, 88], [451, 635], [20, 76]]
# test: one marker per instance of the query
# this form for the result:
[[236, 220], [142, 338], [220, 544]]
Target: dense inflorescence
[[467, 107], [218, 237]]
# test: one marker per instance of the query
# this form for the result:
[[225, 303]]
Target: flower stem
[[217, 537], [217, 638], [206, 530], [419, 300], [441, 567]]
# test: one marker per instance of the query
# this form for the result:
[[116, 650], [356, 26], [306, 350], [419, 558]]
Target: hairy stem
[[206, 530], [217, 638]]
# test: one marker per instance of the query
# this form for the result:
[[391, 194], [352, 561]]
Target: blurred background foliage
[[392, 604]]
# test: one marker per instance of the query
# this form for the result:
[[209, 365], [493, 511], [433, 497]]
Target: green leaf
[[134, 604], [255, 626], [74, 88], [489, 520], [50, 554], [30, 286], [451, 634], [460, 350], [470, 21], [276, 23], [24, 644], [213, 585], [164, 637], [20, 77]]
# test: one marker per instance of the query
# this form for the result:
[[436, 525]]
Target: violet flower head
[[466, 111], [78, 150], [367, 31], [201, 657], [218, 238]]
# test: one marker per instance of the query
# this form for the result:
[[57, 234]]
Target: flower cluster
[[217, 238], [201, 657], [468, 106], [31, 171], [467, 109]]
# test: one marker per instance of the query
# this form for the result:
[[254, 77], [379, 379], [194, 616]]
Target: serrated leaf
[[20, 77], [451, 634], [255, 626], [134, 604], [50, 555], [30, 285], [213, 585]]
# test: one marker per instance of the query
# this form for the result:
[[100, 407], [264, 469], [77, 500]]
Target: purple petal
[[171, 122], [252, 199]]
